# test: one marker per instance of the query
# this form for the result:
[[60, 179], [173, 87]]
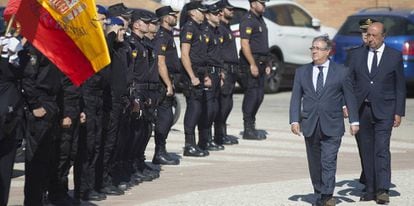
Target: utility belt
[[146, 86], [261, 59], [207, 70], [231, 68]]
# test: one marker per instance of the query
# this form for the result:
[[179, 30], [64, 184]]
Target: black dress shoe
[[252, 135], [112, 190], [164, 159], [382, 198], [92, 195], [367, 197], [193, 151], [227, 141]]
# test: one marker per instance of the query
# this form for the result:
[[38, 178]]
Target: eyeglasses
[[318, 48]]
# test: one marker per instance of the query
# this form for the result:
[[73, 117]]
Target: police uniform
[[165, 46], [191, 33], [11, 119], [41, 85], [66, 141], [144, 90], [214, 64], [253, 28], [230, 70]]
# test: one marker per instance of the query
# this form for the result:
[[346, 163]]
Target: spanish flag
[[65, 31]]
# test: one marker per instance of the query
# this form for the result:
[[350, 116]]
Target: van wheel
[[272, 81]]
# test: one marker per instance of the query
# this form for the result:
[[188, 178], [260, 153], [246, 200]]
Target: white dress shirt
[[380, 51], [316, 73]]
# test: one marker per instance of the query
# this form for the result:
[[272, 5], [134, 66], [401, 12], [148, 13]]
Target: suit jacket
[[307, 108], [385, 88]]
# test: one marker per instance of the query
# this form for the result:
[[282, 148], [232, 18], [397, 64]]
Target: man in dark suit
[[319, 89], [377, 72]]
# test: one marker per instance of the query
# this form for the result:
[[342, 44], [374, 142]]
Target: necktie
[[374, 65], [319, 81]]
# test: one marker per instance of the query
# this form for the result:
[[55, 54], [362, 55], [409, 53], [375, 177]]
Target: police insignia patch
[[163, 48], [189, 36], [207, 39], [248, 30], [134, 53], [221, 39]]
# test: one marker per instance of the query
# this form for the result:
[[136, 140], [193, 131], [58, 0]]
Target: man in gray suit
[[318, 93], [378, 76]]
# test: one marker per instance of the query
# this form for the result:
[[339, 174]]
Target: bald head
[[376, 35]]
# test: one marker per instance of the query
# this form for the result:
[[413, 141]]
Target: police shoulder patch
[[163, 47], [249, 30], [189, 35]]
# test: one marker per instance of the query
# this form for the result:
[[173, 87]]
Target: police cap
[[225, 4], [165, 10], [140, 14], [114, 21], [196, 5], [119, 10], [213, 8], [101, 10]]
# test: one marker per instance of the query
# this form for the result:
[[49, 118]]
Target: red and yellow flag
[[65, 31]]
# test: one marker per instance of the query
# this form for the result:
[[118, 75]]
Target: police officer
[[253, 55], [168, 67], [214, 64], [144, 85], [11, 113], [229, 75], [41, 86], [114, 98], [193, 53]]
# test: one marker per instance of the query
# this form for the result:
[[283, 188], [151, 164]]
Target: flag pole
[[10, 23]]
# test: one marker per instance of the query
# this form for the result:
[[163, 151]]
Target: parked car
[[399, 25]]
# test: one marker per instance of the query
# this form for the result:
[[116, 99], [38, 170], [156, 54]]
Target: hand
[[39, 112], [254, 70], [170, 91], [397, 120], [345, 111], [295, 128], [354, 129], [120, 34], [222, 77], [66, 122], [195, 81], [268, 70], [207, 81], [82, 117]]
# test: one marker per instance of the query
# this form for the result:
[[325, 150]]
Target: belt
[[232, 68], [147, 86], [208, 69]]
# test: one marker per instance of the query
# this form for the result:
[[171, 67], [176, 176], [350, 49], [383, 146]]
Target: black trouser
[[225, 98], [253, 93], [141, 126], [209, 108], [64, 156], [91, 141], [39, 153], [111, 131], [164, 121], [193, 97], [11, 129]]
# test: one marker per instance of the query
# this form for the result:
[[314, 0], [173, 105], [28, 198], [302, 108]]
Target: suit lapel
[[309, 78], [365, 61]]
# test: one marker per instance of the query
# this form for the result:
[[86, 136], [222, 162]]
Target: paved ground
[[270, 172]]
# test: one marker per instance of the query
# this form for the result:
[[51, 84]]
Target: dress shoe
[[250, 134], [112, 190], [329, 202], [382, 198], [164, 159], [92, 195], [226, 141], [367, 197], [124, 186], [193, 151], [233, 139], [210, 146], [144, 177]]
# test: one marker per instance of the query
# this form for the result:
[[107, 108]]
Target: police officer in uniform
[[11, 113], [144, 86], [229, 75], [212, 78], [168, 67], [41, 86], [193, 53], [253, 56]]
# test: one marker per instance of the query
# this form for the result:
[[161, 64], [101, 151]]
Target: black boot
[[261, 135], [190, 149], [228, 140], [250, 132], [206, 141], [217, 145], [161, 157]]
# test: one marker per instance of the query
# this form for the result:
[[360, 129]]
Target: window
[[279, 15], [299, 17]]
